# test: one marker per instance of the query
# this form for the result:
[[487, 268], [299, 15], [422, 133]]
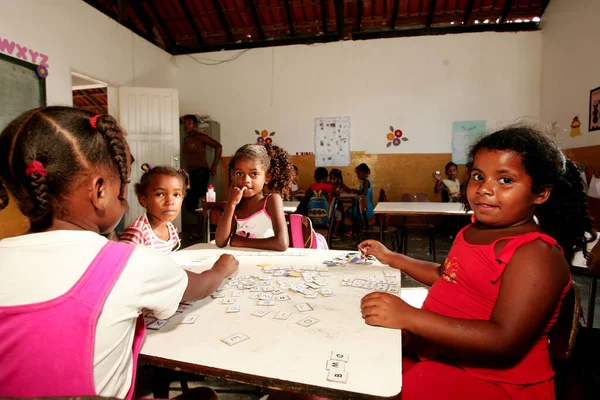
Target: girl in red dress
[[483, 329]]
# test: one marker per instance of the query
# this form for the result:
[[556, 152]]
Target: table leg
[[382, 219], [592, 301]]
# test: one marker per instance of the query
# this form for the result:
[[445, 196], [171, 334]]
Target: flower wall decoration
[[395, 137], [42, 71], [264, 136]]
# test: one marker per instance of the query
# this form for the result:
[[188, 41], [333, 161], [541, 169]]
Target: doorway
[[89, 93]]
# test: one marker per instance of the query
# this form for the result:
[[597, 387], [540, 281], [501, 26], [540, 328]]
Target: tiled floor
[[417, 248]]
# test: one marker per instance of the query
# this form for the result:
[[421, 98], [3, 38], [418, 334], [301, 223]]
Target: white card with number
[[306, 322], [235, 339]]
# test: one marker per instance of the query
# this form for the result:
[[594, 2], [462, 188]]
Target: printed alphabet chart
[[332, 141]]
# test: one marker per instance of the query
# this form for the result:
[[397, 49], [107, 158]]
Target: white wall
[[77, 37], [570, 66], [418, 84]]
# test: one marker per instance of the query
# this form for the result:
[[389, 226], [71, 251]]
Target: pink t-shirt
[[140, 232]]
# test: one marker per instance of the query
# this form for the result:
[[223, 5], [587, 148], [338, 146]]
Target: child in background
[[366, 189], [336, 179], [449, 187], [77, 309], [483, 329], [317, 199], [252, 219], [161, 191]]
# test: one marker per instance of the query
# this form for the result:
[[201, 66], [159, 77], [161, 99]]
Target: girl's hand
[[385, 309], [226, 264], [236, 194], [379, 251]]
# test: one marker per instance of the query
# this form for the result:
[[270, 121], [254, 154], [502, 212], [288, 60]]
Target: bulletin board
[[21, 88], [332, 141]]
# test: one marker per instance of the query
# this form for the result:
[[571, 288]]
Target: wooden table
[[280, 353], [417, 208]]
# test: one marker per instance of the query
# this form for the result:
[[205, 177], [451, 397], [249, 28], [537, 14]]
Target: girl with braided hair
[[160, 191], [251, 218], [71, 319]]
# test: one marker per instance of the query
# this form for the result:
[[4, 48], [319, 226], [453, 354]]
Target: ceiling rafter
[[259, 29], [111, 14], [170, 42], [222, 19], [394, 15], [288, 12], [190, 20], [94, 102], [431, 13], [468, 12], [506, 10], [324, 16], [339, 18]]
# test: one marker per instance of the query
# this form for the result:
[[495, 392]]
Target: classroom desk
[[281, 354], [417, 208]]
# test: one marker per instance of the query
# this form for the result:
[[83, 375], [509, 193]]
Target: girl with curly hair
[[483, 328], [251, 217]]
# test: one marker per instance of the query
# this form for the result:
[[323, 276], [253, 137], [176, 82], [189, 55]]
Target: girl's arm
[[422, 271], [365, 188], [201, 285], [280, 241], [530, 289], [439, 185], [226, 222]]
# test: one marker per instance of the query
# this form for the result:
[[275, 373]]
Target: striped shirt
[[140, 232]]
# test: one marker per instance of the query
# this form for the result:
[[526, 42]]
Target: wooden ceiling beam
[[431, 13], [259, 29], [222, 19], [394, 15], [468, 12], [142, 14], [359, 12], [339, 18], [324, 16], [191, 21], [288, 11], [170, 42], [94, 102], [506, 10]]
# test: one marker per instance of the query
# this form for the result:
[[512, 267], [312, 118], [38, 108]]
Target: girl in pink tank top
[[69, 170], [251, 218], [483, 329]]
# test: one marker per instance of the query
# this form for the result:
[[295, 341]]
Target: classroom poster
[[332, 141], [464, 134]]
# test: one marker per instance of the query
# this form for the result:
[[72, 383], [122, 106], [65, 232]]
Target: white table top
[[419, 208], [281, 350]]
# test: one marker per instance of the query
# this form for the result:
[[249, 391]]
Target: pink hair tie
[[93, 121], [35, 167]]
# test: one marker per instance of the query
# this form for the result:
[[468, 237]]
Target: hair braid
[[115, 139], [41, 212]]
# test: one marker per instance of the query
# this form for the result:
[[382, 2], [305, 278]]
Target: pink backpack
[[302, 235]]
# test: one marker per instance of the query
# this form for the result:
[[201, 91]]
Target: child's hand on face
[[236, 194], [385, 309], [374, 248], [227, 264]]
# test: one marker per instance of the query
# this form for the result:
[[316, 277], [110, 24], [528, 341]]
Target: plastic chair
[[562, 335], [417, 222], [366, 229]]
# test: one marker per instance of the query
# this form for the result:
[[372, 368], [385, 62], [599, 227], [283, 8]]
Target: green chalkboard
[[21, 88]]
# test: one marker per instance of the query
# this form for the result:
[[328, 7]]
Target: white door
[[150, 118]]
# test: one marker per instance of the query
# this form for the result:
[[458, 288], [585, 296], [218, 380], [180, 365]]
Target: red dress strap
[[514, 243]]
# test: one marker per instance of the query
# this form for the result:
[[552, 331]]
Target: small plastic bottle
[[211, 196]]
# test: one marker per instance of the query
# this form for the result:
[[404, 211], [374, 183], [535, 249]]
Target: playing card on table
[[282, 315], [189, 319], [235, 339], [228, 301], [266, 302], [233, 309], [261, 312], [159, 323], [327, 292], [217, 295], [302, 307], [308, 321], [266, 296]]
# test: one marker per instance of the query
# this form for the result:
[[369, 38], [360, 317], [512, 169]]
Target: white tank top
[[256, 226]]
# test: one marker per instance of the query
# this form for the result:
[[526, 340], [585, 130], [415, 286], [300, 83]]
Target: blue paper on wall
[[464, 134]]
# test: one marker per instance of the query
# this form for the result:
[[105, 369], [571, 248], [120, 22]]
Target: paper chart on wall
[[332, 141], [464, 134]]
